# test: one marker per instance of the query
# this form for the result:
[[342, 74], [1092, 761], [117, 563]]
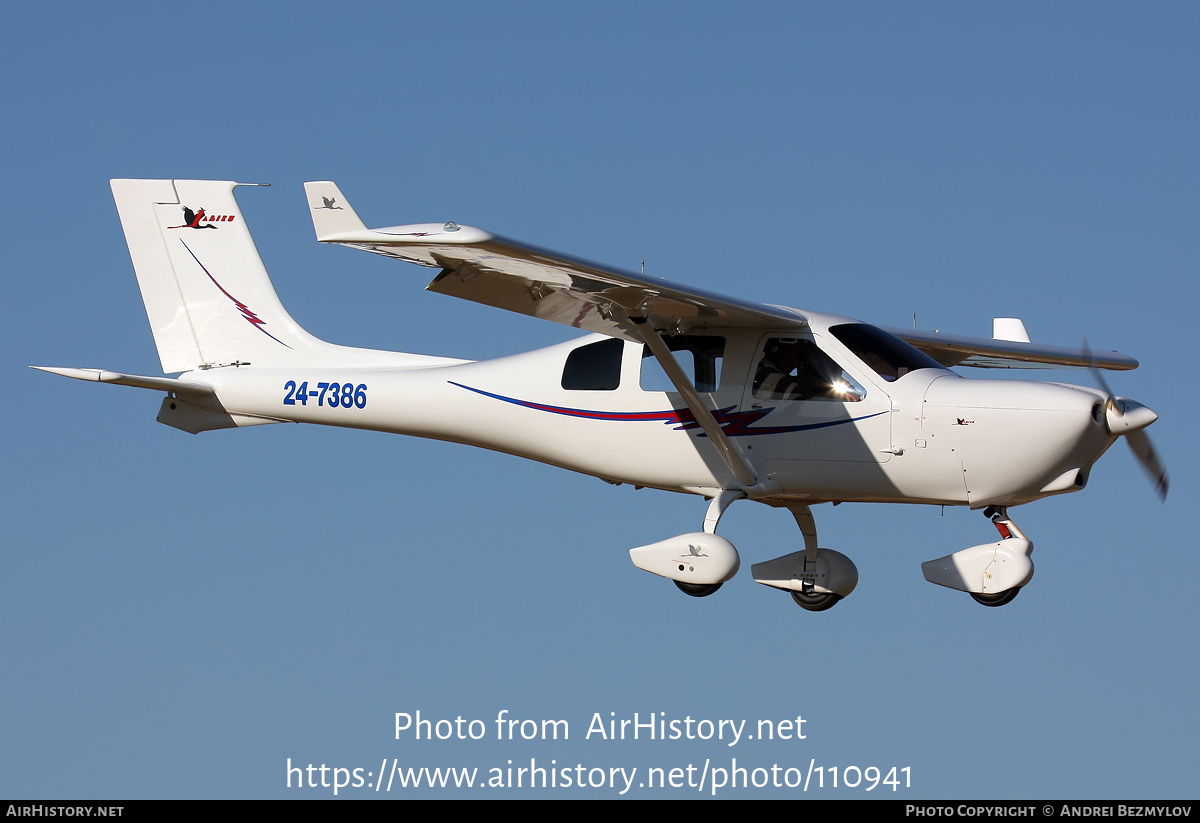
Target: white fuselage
[[926, 436]]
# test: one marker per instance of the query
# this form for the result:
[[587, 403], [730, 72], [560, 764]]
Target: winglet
[[1010, 329], [332, 214]]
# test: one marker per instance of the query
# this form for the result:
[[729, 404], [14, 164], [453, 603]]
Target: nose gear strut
[[992, 573]]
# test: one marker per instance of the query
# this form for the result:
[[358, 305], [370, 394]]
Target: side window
[[699, 356], [795, 369], [594, 367]]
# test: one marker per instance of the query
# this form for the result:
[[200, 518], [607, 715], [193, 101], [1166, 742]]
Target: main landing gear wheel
[[697, 589], [816, 602], [997, 598]]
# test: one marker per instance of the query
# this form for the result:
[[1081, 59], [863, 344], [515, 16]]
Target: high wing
[[485, 268], [985, 353]]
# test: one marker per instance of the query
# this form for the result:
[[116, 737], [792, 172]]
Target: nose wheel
[[996, 599], [1008, 530], [992, 573]]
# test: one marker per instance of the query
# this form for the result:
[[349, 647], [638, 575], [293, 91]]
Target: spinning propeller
[[1130, 418]]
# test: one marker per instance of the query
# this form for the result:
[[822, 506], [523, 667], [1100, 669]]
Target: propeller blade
[[1119, 417], [1097, 375], [1139, 442]]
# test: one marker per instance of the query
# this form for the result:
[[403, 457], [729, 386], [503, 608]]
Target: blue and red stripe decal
[[734, 423]]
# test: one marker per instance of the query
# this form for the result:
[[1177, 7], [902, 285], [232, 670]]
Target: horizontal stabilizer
[[138, 381], [193, 408]]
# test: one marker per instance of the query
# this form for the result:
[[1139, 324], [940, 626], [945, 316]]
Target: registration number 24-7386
[[344, 395]]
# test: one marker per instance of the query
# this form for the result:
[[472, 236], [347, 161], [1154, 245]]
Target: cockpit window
[[889, 356], [793, 368], [699, 356], [594, 367]]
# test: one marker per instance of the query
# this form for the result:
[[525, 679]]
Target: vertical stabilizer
[[207, 294]]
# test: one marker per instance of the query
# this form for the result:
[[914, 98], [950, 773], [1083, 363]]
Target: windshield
[[889, 356]]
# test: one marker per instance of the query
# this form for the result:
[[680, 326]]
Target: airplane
[[673, 388]]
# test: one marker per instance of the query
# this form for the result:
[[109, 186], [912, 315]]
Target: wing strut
[[736, 463]]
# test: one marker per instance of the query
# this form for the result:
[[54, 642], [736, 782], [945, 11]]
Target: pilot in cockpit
[[786, 372], [798, 370]]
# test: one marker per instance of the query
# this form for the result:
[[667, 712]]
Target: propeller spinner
[[1129, 418]]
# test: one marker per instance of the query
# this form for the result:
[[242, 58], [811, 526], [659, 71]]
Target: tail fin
[[332, 214], [207, 294]]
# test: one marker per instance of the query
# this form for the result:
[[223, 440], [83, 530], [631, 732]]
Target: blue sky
[[183, 614]]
